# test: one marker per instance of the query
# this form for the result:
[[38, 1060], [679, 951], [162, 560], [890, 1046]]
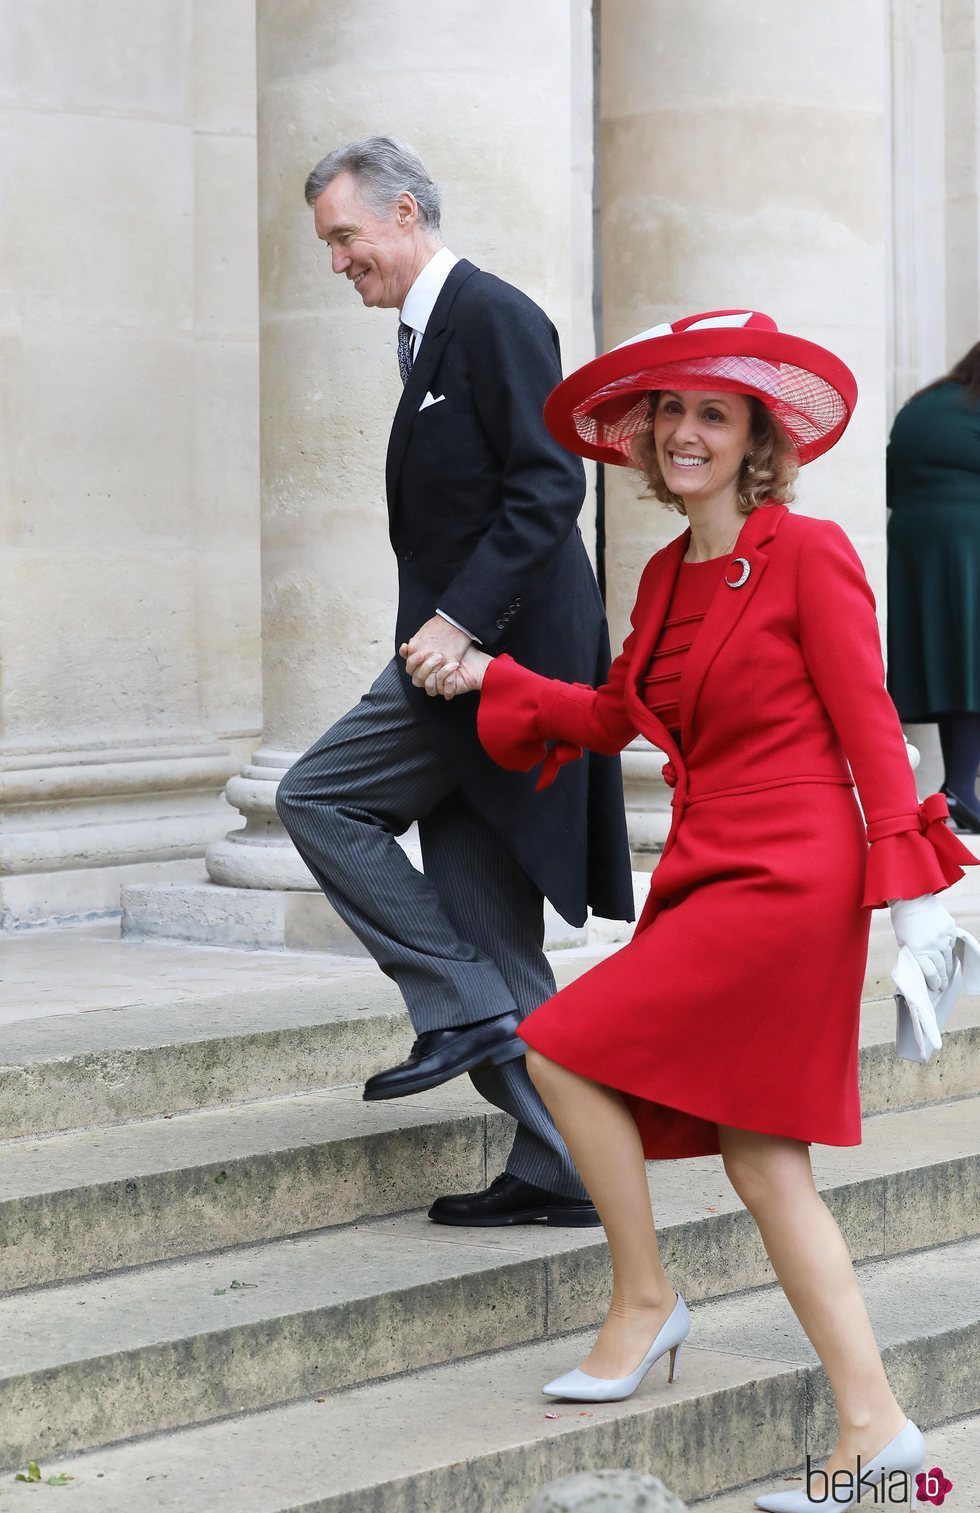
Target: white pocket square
[[430, 400]]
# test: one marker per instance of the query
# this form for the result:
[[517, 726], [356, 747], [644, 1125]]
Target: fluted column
[[500, 111]]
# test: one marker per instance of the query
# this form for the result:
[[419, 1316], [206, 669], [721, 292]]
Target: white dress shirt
[[421, 298], [416, 312]]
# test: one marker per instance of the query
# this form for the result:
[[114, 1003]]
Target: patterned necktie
[[405, 335]]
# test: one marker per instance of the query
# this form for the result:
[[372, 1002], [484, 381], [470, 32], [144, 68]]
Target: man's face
[[377, 254]]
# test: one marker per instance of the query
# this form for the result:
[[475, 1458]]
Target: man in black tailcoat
[[482, 506]]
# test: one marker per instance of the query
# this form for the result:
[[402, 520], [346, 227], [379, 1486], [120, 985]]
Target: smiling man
[[482, 507]]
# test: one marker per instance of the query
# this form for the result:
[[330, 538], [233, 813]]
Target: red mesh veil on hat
[[598, 409]]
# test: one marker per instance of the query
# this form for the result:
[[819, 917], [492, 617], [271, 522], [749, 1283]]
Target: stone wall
[[129, 623], [742, 161], [743, 166], [496, 98]]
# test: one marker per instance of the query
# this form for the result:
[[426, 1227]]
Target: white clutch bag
[[921, 1015]]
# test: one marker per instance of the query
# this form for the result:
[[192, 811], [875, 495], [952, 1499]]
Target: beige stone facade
[[129, 553], [195, 577]]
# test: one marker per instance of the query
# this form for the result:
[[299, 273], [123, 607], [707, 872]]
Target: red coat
[[738, 999]]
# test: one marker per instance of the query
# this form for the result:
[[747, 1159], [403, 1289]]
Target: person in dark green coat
[[934, 573]]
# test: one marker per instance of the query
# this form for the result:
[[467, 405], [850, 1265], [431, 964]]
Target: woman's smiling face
[[701, 440]]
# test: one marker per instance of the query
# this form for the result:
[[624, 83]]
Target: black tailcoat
[[483, 505]]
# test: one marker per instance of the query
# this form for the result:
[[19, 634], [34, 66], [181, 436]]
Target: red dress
[[693, 592], [737, 1001]]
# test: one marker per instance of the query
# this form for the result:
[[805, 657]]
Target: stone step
[[98, 1199], [93, 1200], [476, 1436], [151, 1348], [80, 1069], [93, 1068], [954, 1447]]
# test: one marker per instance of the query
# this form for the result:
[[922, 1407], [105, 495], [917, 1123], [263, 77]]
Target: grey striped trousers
[[464, 941]]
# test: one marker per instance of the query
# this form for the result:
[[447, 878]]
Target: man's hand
[[434, 644]]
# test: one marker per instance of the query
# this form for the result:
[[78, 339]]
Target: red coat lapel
[[653, 615], [726, 608]]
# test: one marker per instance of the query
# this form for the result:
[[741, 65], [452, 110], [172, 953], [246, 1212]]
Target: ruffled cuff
[[507, 721], [914, 854]]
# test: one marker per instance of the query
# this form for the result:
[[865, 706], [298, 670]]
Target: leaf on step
[[61, 1480], [33, 1472], [237, 1286], [319, 1400], [218, 1291]]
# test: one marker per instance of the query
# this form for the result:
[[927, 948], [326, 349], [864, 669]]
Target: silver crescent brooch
[[743, 577]]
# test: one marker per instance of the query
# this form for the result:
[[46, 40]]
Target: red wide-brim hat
[[597, 410]]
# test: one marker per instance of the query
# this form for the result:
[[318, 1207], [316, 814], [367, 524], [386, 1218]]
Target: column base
[[276, 919], [258, 892], [79, 824], [292, 919]]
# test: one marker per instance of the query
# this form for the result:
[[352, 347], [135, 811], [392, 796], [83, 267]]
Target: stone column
[[498, 104], [936, 159], [741, 166], [961, 35], [917, 241], [127, 681]]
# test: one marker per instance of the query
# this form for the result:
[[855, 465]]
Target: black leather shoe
[[508, 1200], [963, 817], [439, 1055]]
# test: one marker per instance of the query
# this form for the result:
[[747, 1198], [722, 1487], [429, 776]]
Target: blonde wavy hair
[[768, 473]]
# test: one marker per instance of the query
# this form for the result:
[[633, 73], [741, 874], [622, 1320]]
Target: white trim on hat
[[740, 318]]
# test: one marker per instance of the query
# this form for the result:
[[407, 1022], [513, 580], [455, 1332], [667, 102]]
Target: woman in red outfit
[[730, 1021]]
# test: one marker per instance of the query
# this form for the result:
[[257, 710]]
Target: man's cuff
[[443, 616]]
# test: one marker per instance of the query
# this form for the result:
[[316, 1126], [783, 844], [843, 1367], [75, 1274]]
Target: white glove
[[929, 932]]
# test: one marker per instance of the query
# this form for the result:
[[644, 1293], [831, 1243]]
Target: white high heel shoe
[[905, 1453], [582, 1388]]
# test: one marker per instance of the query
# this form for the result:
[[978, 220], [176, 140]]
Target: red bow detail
[[933, 814], [669, 774], [558, 754]]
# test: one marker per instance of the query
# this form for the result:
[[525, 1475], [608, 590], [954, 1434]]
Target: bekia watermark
[[932, 1486], [895, 1488]]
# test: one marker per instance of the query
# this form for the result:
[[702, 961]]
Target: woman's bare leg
[[774, 1179], [601, 1134]]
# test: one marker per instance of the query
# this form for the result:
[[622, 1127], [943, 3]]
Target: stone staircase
[[213, 1250]]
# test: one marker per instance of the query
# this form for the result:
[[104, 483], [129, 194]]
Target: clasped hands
[[443, 660]]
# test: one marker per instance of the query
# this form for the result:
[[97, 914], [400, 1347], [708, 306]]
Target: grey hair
[[384, 169]]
